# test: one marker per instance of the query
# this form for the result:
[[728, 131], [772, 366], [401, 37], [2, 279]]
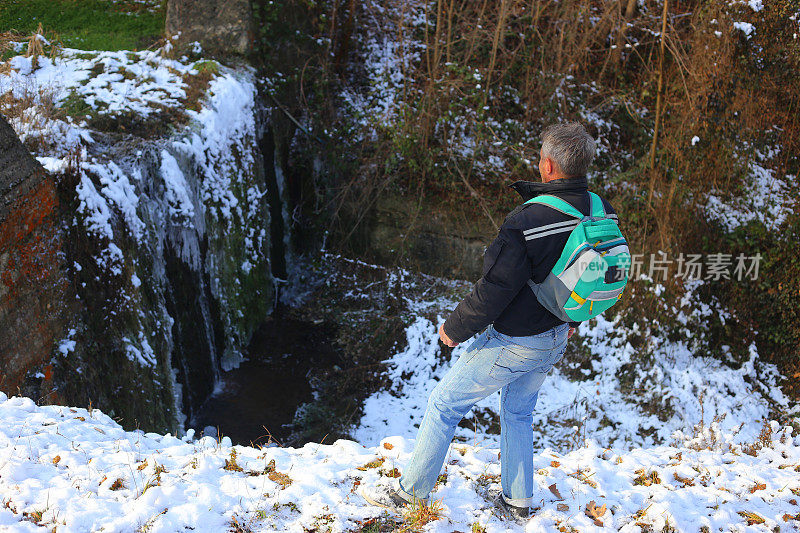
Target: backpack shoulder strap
[[558, 204], [596, 207]]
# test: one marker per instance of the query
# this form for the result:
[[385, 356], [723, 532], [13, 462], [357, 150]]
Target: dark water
[[260, 398]]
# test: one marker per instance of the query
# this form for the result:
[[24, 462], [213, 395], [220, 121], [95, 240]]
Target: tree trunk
[[658, 102]]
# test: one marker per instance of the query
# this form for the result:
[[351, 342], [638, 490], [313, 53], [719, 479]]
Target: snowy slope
[[75, 470], [671, 386]]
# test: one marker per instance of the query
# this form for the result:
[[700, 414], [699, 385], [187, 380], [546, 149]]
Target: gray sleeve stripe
[[551, 232], [540, 229]]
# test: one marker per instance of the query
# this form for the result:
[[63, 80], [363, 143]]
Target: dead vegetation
[[492, 74]]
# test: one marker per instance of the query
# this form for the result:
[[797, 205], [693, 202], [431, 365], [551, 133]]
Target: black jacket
[[502, 295]]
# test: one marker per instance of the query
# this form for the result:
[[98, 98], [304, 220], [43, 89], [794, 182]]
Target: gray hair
[[570, 146]]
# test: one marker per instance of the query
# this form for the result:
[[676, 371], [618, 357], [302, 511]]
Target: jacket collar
[[531, 189]]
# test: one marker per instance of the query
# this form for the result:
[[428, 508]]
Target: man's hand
[[571, 332], [445, 339]]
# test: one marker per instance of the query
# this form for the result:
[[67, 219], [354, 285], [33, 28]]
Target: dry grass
[[710, 89], [35, 108], [239, 525], [231, 464], [32, 106], [476, 527], [647, 478], [417, 515], [764, 440]]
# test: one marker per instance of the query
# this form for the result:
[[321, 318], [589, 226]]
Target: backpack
[[592, 271]]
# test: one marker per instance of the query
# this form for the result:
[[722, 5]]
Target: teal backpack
[[592, 271]]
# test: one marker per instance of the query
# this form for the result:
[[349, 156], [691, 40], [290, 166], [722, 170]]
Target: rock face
[[33, 283], [136, 271], [440, 242], [219, 26]]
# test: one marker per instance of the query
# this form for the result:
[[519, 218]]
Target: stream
[[257, 401]]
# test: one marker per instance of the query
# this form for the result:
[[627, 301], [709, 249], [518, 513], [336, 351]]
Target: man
[[522, 341]]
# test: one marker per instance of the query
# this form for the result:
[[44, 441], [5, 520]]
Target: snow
[[390, 51], [766, 198], [119, 190], [95, 208], [745, 27], [83, 472], [217, 143], [67, 345], [756, 5], [226, 121], [143, 353], [112, 82], [599, 405], [180, 204]]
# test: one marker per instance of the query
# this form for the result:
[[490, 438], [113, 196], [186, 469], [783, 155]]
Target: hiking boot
[[384, 496], [518, 514]]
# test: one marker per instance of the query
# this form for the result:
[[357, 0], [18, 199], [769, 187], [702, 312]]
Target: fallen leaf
[[752, 518], [562, 507], [280, 478], [758, 486], [56, 459], [555, 464], [388, 446], [555, 492], [142, 466], [594, 512]]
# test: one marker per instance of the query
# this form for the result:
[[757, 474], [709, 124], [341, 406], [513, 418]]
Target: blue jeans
[[518, 366]]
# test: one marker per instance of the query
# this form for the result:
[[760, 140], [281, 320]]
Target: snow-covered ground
[[767, 197], [569, 410], [622, 396], [78, 470], [72, 470]]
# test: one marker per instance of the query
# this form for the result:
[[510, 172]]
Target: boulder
[[221, 27]]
